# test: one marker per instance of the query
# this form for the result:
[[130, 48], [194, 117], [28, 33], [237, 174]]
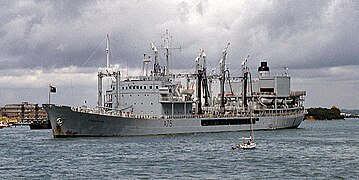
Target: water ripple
[[316, 150]]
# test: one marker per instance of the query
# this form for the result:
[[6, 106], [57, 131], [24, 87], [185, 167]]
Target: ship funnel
[[263, 70]]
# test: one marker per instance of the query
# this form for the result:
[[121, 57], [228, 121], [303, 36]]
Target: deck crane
[[201, 83], [156, 65], [223, 75]]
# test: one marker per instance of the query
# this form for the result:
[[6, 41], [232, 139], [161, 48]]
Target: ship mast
[[245, 81], [108, 72], [108, 51], [167, 46]]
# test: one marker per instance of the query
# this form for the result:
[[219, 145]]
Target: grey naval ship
[[160, 102]]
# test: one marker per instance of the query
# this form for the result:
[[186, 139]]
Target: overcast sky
[[55, 42]]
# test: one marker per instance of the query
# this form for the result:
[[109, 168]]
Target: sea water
[[315, 150]]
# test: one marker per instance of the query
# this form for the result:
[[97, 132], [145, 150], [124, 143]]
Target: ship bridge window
[[267, 90], [156, 87]]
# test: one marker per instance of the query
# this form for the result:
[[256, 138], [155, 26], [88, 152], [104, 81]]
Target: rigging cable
[[91, 56]]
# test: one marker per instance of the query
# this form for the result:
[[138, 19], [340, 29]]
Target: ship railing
[[84, 110], [97, 111], [279, 112], [211, 114], [262, 113], [175, 99], [265, 93]]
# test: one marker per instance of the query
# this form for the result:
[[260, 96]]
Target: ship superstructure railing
[[207, 114], [176, 99]]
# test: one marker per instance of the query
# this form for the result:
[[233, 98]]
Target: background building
[[29, 113]]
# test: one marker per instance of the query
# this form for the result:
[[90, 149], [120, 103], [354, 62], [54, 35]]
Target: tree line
[[323, 114]]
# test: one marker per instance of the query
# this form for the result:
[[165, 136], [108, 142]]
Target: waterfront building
[[26, 112]]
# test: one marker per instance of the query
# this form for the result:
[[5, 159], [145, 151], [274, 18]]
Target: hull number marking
[[167, 123]]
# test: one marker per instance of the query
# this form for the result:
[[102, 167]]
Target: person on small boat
[[248, 143]]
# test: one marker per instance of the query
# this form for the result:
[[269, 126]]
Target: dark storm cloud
[[30, 29], [310, 34], [46, 42], [301, 34]]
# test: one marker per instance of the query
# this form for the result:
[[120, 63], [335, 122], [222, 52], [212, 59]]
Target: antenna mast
[[108, 51], [167, 38]]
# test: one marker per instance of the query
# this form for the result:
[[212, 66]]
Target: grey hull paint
[[78, 124]]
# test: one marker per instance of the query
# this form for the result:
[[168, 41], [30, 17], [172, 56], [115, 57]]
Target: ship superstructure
[[161, 102]]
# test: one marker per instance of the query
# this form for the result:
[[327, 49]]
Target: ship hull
[[68, 123]]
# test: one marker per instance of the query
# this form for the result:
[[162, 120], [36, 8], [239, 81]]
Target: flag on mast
[[52, 89]]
